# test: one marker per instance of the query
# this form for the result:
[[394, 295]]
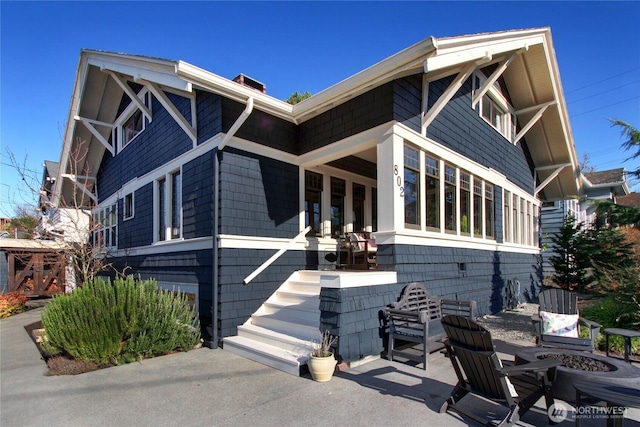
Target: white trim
[[357, 279], [230, 241], [177, 245], [418, 238], [124, 206], [173, 111]]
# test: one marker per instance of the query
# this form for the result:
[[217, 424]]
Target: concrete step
[[295, 344], [278, 358], [309, 299], [304, 309], [297, 327]]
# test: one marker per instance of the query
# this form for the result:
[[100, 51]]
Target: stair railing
[[275, 256]]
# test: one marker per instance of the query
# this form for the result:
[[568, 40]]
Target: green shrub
[[119, 322], [612, 312]]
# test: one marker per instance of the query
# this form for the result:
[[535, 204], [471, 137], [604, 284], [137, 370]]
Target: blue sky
[[299, 46]]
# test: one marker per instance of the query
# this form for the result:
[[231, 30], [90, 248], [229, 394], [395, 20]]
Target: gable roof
[[631, 200], [614, 180], [532, 79]]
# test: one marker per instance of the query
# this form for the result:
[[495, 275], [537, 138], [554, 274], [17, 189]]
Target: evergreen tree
[[570, 261]]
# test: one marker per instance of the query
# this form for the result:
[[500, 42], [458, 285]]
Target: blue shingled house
[[282, 220]]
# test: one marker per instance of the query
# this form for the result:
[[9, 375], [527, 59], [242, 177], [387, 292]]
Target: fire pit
[[578, 365]]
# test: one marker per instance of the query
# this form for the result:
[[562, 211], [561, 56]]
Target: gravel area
[[511, 325]]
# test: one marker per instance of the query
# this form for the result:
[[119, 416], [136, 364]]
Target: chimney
[[250, 83]]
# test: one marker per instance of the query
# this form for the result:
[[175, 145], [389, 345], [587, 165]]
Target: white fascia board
[[554, 72], [387, 69], [232, 90], [140, 68], [67, 141], [455, 56]]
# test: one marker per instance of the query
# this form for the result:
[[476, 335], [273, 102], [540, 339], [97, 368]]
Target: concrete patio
[[216, 388]]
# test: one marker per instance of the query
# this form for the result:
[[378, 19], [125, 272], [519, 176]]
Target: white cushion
[[563, 325]]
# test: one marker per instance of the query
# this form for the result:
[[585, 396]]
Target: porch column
[[390, 183]]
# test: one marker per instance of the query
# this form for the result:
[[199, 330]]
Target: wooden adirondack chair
[[480, 372], [563, 302]]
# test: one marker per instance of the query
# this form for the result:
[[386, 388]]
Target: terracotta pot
[[321, 368]]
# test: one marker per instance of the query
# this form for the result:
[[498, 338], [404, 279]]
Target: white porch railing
[[275, 256]]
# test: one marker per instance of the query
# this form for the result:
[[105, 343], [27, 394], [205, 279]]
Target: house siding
[[259, 196], [460, 128], [197, 196], [161, 141], [260, 127], [209, 114], [137, 231], [464, 274], [364, 112]]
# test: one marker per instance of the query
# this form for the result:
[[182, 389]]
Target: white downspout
[[239, 121]]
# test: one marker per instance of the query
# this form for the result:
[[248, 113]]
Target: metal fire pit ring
[[624, 374]]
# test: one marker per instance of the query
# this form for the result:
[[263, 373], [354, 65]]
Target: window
[[465, 203], [477, 208], [169, 207], [411, 187], [514, 219], [128, 206], [432, 167], [105, 227], [358, 207], [312, 198], [449, 198], [374, 209], [132, 121], [176, 205], [489, 225], [495, 109], [132, 127], [338, 191], [450, 204]]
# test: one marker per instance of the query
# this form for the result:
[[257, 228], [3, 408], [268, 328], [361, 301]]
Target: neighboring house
[[610, 185], [439, 157], [602, 186]]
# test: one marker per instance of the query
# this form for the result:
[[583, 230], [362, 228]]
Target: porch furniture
[[481, 373], [357, 250], [562, 305], [415, 318], [615, 398], [627, 334]]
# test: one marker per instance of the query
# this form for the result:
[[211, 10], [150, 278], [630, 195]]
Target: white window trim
[[118, 129], [508, 116], [124, 206], [105, 208], [442, 231], [167, 209]]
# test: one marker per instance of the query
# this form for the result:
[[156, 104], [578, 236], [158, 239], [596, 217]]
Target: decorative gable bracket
[[187, 127], [79, 181], [90, 125], [554, 174]]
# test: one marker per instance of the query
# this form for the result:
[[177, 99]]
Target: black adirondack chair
[[561, 301], [480, 372]]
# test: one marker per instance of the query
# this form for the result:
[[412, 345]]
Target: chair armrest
[[590, 323], [542, 365], [537, 323]]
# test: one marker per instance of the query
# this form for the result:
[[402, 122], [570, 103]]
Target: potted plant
[[321, 362]]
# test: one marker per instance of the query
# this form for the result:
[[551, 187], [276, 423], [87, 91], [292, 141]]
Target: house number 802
[[398, 180]]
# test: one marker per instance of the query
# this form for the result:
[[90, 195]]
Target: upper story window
[[169, 207], [495, 109], [132, 121], [128, 206], [132, 127]]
